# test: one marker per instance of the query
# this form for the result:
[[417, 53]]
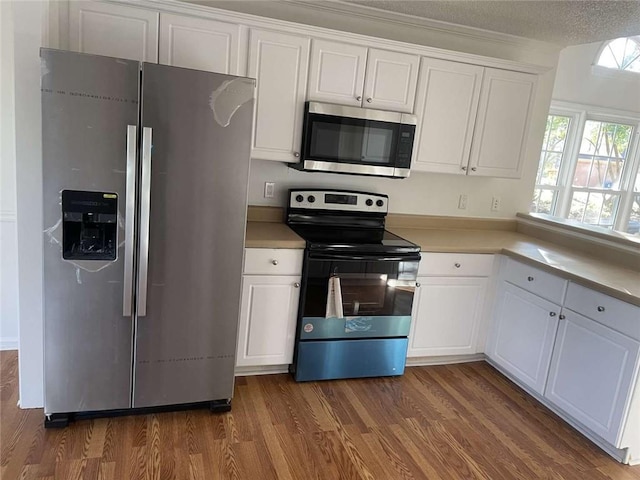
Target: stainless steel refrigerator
[[145, 192]]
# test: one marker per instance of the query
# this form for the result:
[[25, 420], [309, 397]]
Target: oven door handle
[[368, 258]]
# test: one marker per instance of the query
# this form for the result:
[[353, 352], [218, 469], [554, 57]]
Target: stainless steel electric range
[[358, 282]]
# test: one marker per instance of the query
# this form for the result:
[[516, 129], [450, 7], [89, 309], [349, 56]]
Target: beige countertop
[[612, 279], [604, 276]]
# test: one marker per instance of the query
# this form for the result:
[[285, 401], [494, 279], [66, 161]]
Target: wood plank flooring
[[446, 422]]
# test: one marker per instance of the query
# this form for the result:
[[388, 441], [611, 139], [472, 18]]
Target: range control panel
[[342, 200]]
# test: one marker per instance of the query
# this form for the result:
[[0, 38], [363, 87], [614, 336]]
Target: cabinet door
[[199, 43], [446, 316], [267, 320], [336, 72], [502, 126], [391, 80], [279, 62], [592, 372], [446, 105], [522, 336], [113, 30]]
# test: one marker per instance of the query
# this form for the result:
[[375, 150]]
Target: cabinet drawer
[[609, 311], [456, 264], [272, 261], [535, 280]]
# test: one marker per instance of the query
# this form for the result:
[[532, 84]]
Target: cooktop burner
[[344, 221]]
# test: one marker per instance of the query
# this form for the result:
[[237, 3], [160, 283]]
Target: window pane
[[578, 204], [551, 158], [550, 169], [543, 200], [622, 54], [603, 149], [634, 220]]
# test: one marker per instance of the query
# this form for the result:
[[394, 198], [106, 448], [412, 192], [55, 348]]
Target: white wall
[[28, 38], [577, 81], [8, 216]]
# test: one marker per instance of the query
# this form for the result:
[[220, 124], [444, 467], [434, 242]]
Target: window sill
[[610, 236]]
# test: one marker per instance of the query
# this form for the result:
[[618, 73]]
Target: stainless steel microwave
[[359, 141]]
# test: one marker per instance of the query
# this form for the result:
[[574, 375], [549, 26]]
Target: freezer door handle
[[130, 210], [145, 207]]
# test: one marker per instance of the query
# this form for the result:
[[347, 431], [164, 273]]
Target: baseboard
[[261, 370], [9, 343], [444, 360]]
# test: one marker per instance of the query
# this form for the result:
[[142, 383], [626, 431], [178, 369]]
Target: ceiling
[[563, 23]]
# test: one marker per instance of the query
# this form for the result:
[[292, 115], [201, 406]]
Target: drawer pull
[[457, 265], [274, 262], [417, 284], [552, 314], [530, 279], [562, 317], [600, 308], [296, 285]]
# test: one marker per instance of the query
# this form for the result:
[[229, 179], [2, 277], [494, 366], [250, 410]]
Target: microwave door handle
[[145, 208], [129, 223]]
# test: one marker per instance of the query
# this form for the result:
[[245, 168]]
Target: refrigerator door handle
[[145, 207], [130, 209]]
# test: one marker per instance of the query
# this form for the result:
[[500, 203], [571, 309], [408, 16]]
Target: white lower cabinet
[[270, 295], [592, 374], [580, 353], [448, 304], [267, 319], [523, 333]]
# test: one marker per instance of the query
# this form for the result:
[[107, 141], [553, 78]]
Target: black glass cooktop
[[353, 240]]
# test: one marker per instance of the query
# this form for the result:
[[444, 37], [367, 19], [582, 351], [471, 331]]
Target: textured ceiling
[[561, 22]]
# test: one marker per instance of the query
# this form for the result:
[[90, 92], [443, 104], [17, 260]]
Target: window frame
[[579, 115], [604, 70]]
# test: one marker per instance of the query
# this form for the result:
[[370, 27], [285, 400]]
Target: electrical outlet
[[269, 188], [495, 204], [462, 202]]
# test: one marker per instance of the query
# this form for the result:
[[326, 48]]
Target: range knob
[[369, 202], [311, 199], [299, 198], [379, 203]]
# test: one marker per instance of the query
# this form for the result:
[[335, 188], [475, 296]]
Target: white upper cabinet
[[113, 30], [447, 103], [279, 62], [354, 75], [502, 126], [336, 72], [391, 79], [472, 120], [201, 44]]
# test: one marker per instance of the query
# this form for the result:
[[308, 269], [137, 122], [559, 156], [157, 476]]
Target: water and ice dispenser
[[89, 225]]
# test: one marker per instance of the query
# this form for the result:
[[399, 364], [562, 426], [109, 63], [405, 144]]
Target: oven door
[[347, 297], [352, 140]]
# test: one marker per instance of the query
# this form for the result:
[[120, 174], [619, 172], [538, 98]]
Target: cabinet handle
[[562, 317], [296, 285], [369, 100], [296, 154], [274, 262], [464, 168], [417, 284], [473, 169], [359, 98], [552, 314], [530, 279], [457, 265], [600, 308]]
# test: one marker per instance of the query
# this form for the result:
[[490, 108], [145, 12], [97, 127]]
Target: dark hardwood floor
[[446, 422]]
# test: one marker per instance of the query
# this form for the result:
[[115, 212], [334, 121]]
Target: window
[[589, 169], [621, 54]]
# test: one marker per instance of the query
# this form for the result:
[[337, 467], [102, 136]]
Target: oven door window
[[351, 140], [366, 288]]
